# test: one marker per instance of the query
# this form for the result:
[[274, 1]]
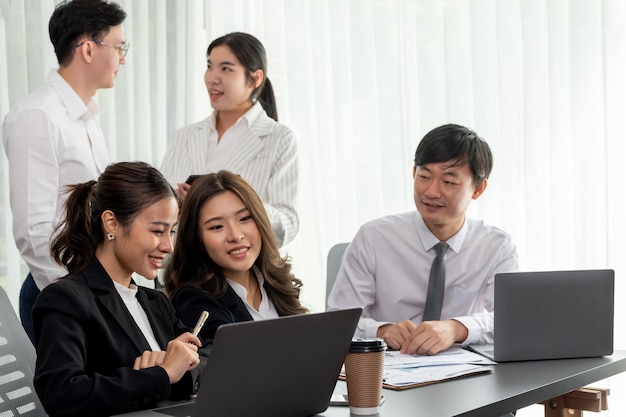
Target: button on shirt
[[386, 269], [52, 139]]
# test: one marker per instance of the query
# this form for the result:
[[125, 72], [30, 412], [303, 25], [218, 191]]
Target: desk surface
[[510, 386]]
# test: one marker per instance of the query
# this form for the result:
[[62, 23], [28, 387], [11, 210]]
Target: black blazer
[[87, 342], [189, 303]]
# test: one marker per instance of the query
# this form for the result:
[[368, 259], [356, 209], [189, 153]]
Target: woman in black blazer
[[226, 260], [104, 345]]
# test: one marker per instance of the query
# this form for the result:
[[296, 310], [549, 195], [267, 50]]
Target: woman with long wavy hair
[[226, 260]]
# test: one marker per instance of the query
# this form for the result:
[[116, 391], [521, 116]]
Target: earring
[[110, 236]]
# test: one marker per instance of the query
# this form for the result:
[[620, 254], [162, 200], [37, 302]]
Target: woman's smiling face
[[229, 234]]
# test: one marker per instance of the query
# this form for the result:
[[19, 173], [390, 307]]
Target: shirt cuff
[[369, 327], [476, 332]]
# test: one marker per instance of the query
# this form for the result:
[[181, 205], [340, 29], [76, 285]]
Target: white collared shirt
[[386, 270], [52, 139], [129, 297], [220, 153], [266, 308]]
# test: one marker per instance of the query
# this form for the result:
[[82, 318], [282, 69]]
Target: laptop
[[280, 367], [551, 315]]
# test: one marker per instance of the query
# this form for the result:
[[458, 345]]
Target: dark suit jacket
[[87, 342], [189, 303]]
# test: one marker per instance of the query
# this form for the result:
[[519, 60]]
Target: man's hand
[[395, 335], [431, 337]]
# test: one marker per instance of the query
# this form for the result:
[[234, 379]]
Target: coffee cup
[[364, 375]]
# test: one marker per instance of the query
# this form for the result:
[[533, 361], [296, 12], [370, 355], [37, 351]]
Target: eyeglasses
[[122, 49]]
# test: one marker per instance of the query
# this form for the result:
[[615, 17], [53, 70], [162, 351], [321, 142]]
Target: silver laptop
[[281, 367], [552, 315]]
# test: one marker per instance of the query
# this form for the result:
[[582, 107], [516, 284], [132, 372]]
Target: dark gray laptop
[[281, 367], [552, 315]]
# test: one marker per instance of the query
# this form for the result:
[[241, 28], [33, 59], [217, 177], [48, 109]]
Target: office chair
[[17, 366], [333, 262]]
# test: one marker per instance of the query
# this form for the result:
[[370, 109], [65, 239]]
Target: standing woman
[[242, 134], [226, 260], [104, 345]]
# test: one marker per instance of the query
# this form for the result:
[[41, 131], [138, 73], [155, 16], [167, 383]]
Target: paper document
[[414, 377], [452, 356], [408, 371]]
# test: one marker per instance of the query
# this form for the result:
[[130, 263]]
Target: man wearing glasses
[[52, 137]]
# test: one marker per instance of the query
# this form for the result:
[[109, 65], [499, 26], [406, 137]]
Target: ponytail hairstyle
[[191, 265], [125, 188], [250, 52]]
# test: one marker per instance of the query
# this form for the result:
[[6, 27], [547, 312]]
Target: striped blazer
[[267, 160]]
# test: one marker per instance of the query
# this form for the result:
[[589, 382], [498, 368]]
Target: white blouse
[[266, 308], [129, 297]]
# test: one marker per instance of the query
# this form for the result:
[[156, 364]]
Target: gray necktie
[[436, 284]]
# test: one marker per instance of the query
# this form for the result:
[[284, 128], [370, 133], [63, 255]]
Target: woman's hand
[[181, 356], [182, 189], [148, 359]]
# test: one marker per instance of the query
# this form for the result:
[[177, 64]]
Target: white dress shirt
[[266, 308], [386, 269], [129, 297], [256, 147], [52, 139]]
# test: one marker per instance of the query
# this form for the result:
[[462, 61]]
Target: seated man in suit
[[387, 268]]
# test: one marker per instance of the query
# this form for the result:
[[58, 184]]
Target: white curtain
[[361, 81]]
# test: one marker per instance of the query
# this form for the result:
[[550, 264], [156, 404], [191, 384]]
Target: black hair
[[125, 188], [459, 144], [251, 54], [76, 18]]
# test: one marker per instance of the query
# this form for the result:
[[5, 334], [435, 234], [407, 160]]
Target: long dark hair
[[125, 188], [251, 54], [191, 265]]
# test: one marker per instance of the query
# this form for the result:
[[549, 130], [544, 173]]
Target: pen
[[200, 323]]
